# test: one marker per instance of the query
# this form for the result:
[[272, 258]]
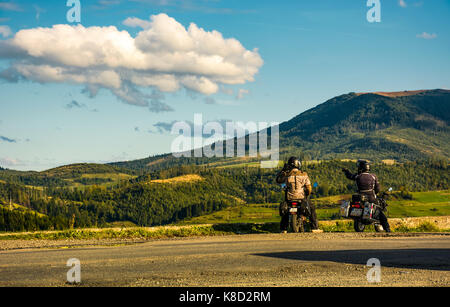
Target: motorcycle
[[363, 212], [298, 212]]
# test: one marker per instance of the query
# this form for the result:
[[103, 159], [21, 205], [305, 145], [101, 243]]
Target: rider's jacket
[[297, 183], [367, 183]]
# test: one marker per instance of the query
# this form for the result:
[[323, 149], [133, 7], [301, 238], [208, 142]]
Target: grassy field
[[422, 204], [180, 179], [113, 177]]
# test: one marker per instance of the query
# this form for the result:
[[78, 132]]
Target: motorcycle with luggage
[[364, 212]]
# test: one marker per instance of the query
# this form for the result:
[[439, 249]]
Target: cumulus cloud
[[134, 22], [164, 57], [5, 31], [426, 35]]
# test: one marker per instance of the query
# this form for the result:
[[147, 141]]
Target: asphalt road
[[247, 260]]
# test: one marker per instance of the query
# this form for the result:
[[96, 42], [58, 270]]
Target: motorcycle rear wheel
[[359, 226], [297, 224]]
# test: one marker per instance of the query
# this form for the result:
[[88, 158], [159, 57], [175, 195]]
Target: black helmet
[[294, 162], [363, 166]]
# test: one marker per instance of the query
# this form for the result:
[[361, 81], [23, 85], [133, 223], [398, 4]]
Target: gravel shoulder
[[274, 260]]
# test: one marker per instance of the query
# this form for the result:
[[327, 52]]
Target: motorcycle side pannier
[[345, 208]]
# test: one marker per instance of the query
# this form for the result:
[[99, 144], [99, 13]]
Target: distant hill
[[401, 126], [69, 175], [74, 170]]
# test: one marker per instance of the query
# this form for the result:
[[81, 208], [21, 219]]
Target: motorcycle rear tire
[[297, 224], [359, 226]]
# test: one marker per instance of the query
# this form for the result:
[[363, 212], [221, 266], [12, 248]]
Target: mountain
[[402, 126]]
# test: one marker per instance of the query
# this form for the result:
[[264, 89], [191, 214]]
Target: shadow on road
[[427, 259]]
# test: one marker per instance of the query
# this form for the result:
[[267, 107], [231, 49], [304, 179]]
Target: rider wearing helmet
[[298, 189], [368, 185]]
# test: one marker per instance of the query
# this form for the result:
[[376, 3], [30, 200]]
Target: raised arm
[[282, 176], [348, 174]]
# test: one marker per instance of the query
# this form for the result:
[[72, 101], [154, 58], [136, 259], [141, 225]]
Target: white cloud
[[242, 93], [9, 6], [164, 56], [402, 3], [136, 22], [426, 35], [5, 31]]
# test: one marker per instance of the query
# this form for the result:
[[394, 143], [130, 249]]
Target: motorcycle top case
[[359, 198], [345, 209]]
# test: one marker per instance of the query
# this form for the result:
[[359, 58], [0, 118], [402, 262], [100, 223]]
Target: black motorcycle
[[298, 212], [363, 212]]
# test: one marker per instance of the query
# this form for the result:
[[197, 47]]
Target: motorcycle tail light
[[294, 204]]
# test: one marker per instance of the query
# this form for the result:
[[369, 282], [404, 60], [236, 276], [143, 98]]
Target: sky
[[110, 87]]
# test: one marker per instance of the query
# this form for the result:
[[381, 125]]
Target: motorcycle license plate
[[293, 210], [356, 212]]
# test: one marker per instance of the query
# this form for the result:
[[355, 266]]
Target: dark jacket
[[367, 183]]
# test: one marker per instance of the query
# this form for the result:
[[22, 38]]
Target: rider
[[298, 189], [369, 186]]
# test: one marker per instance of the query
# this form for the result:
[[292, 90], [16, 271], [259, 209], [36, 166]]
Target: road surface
[[247, 260]]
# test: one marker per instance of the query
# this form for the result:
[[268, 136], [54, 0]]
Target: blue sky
[[311, 52]]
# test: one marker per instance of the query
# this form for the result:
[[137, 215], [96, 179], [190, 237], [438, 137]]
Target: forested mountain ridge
[[404, 126]]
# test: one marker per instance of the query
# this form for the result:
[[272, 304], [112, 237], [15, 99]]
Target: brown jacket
[[297, 183]]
